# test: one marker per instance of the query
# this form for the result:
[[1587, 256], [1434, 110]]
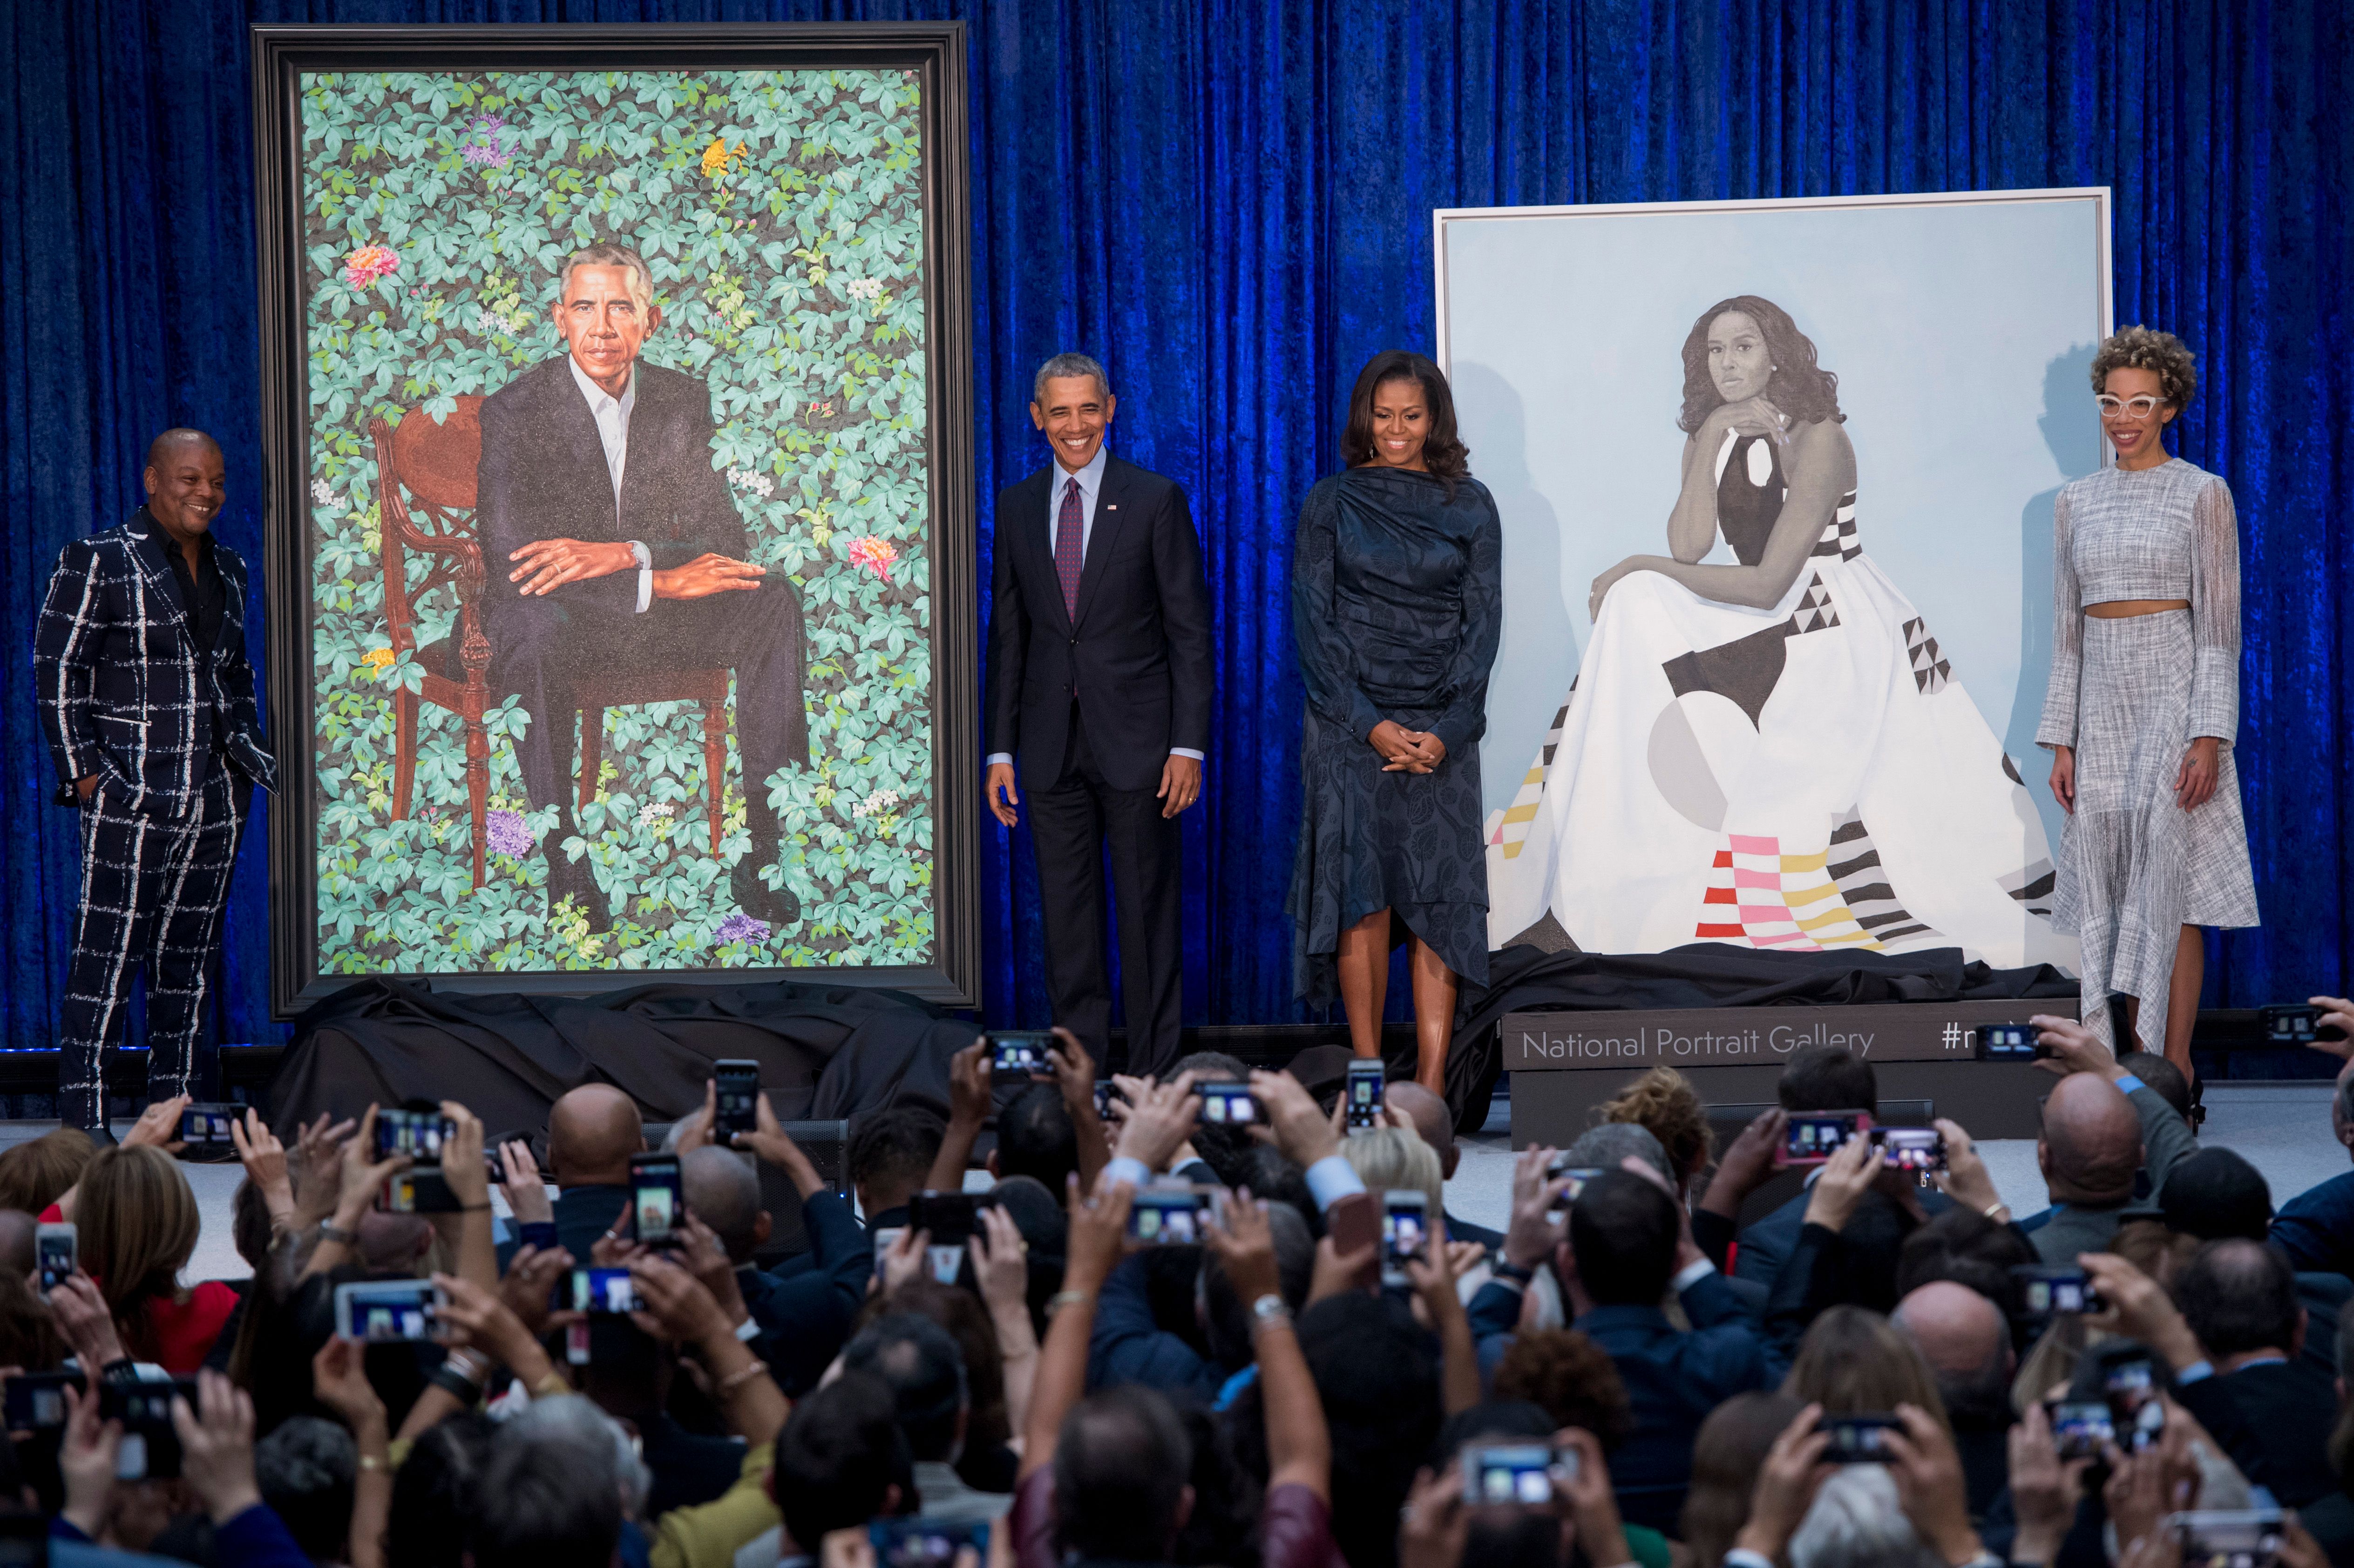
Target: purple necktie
[[1068, 541]]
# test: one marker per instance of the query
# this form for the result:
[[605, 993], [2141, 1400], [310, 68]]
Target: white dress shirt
[[1089, 481], [612, 416]]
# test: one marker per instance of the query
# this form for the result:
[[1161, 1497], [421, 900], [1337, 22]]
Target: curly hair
[[1663, 1102], [1573, 1378], [2145, 348], [1442, 452], [1799, 387]]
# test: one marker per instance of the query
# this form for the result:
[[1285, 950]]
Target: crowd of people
[[1629, 1373]]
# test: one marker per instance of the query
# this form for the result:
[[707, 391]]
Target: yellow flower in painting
[[376, 658], [716, 157]]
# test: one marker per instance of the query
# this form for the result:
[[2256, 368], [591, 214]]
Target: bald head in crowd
[[2091, 1144], [591, 1133], [1963, 1337], [1433, 1122], [722, 1191]]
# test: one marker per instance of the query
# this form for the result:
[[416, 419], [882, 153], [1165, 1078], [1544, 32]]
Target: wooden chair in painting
[[425, 483]]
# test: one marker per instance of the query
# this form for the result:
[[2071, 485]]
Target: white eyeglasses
[[2120, 407]]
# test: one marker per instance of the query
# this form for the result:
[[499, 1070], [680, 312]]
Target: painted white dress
[[1806, 778]]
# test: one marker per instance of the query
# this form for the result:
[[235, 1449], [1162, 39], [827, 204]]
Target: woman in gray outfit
[[2144, 704]]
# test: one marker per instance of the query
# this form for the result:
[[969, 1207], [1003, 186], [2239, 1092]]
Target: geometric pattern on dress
[[1838, 534], [1508, 828], [2031, 886], [1931, 670], [1863, 883], [1758, 896], [1815, 611]]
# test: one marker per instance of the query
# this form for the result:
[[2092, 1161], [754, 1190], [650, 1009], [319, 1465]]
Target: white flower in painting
[[759, 483], [868, 290], [654, 811], [320, 493], [877, 803]]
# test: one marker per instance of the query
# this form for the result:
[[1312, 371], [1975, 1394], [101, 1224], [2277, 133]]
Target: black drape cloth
[[826, 1053], [1706, 974]]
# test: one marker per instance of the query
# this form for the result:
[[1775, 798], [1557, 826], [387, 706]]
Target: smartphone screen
[[375, 1311], [1364, 1091], [36, 1402], [925, 1542], [2081, 1428], [1812, 1137], [1170, 1216], [1911, 1148], [1510, 1475], [737, 1090], [54, 1250], [419, 1192], [2236, 1537], [1015, 1054], [1405, 1232], [2136, 1413], [418, 1134], [605, 1292], [207, 1126], [1858, 1439], [2005, 1041], [2043, 1291], [657, 1201], [2291, 1024], [1228, 1104], [150, 1449], [1577, 1177], [950, 1217]]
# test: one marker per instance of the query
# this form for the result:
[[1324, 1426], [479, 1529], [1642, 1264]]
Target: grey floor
[[2282, 1128]]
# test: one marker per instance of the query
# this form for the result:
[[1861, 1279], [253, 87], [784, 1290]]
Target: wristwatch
[[330, 1231], [1269, 1309]]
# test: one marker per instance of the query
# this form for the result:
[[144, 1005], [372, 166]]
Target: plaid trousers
[[152, 893]]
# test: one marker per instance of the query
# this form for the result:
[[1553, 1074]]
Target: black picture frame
[[281, 55]]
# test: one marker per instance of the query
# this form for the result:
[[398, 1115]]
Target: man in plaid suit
[[148, 698]]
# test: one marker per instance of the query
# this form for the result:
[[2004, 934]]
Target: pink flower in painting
[[875, 555], [368, 263]]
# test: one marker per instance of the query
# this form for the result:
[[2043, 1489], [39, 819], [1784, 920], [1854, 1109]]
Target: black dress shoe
[[777, 905], [576, 880]]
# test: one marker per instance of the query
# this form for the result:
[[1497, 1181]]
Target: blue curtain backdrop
[[1229, 201]]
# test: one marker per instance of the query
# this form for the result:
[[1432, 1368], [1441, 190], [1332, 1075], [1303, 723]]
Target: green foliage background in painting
[[782, 214]]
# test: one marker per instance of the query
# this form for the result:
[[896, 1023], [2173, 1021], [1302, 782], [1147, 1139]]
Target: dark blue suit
[[1128, 1346], [805, 1310], [1673, 1379], [2315, 1228], [1877, 1230]]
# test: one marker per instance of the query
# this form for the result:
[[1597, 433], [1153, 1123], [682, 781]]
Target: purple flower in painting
[[505, 832], [486, 149], [742, 928]]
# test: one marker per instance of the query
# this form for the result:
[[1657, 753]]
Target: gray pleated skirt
[[2135, 868]]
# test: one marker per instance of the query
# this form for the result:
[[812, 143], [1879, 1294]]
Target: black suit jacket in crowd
[[542, 476], [1137, 658], [125, 690]]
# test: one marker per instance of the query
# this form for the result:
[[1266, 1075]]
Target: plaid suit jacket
[[125, 691]]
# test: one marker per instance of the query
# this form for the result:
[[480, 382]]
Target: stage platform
[[1563, 1064]]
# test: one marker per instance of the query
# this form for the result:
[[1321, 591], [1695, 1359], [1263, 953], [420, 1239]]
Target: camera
[[2008, 1043], [1015, 1055], [1809, 1138], [2044, 1290]]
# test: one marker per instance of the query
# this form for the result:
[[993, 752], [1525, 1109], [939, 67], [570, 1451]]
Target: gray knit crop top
[[2167, 532]]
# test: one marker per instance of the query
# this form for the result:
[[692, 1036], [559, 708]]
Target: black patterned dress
[[1396, 588]]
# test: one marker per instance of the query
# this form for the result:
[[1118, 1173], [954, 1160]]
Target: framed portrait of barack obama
[[619, 525]]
